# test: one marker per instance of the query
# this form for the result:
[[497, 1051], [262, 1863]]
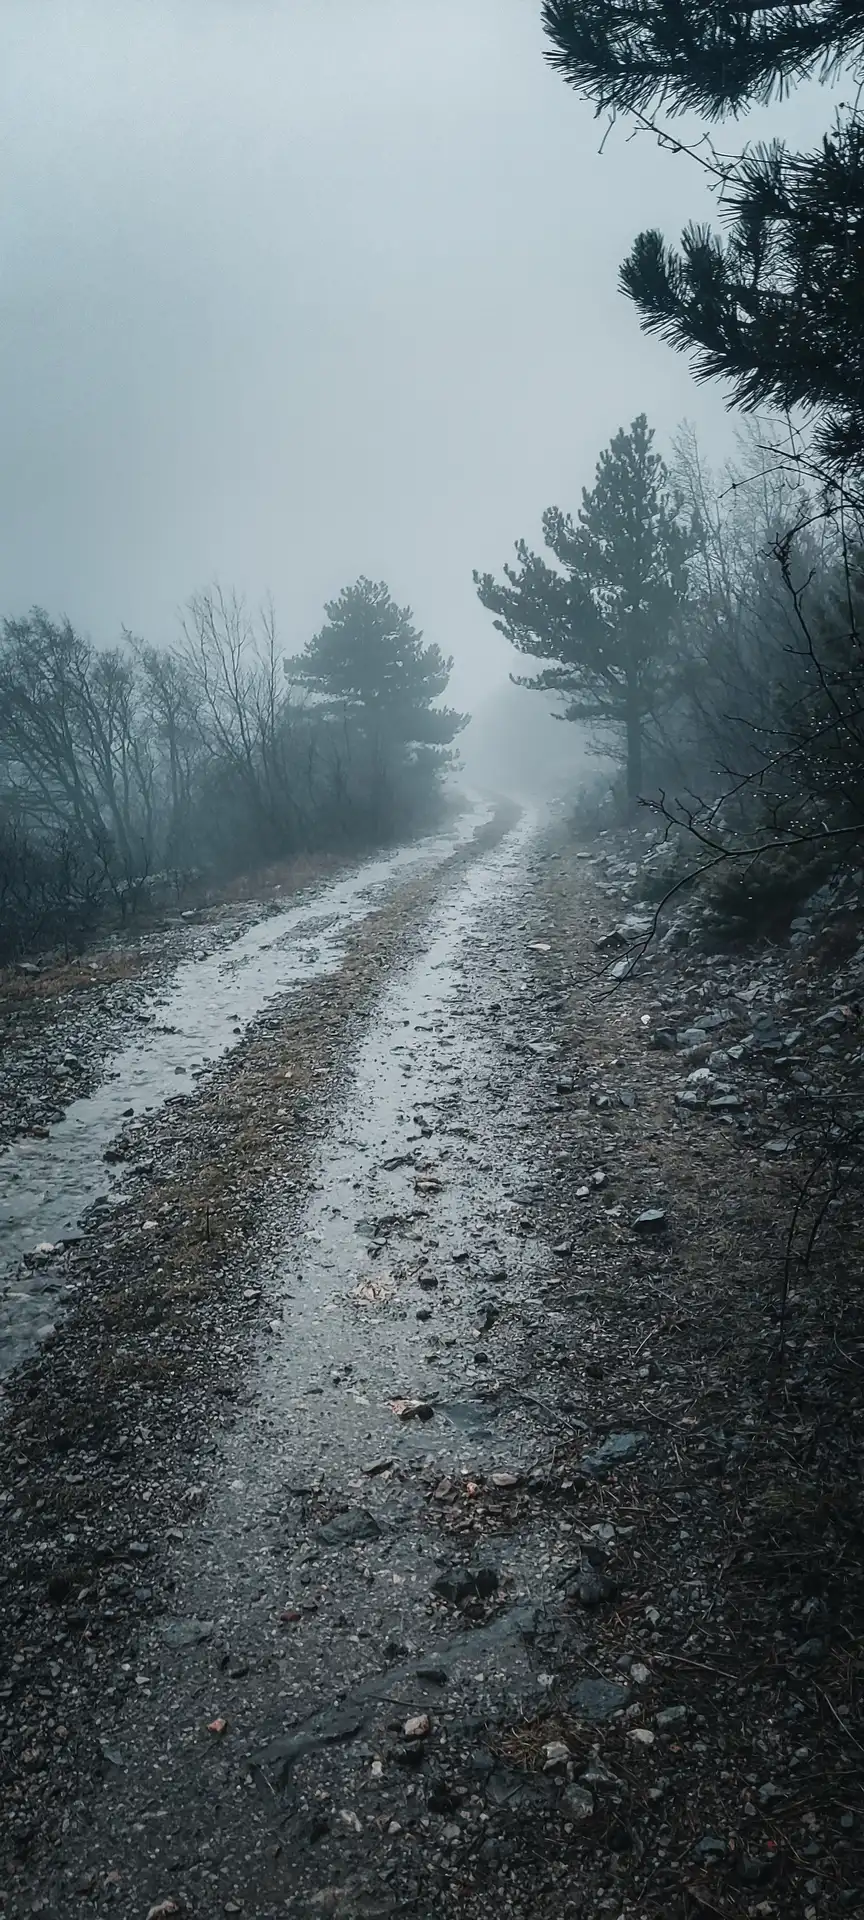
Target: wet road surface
[[395, 1554], [309, 1599], [47, 1184]]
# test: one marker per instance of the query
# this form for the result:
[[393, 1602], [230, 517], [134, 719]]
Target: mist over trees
[[703, 629], [753, 753], [131, 771], [517, 745]]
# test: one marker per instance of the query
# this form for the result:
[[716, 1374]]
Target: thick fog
[[297, 290]]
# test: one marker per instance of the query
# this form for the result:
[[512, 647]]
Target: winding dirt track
[[379, 1495]]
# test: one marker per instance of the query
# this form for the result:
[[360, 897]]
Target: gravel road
[[380, 1517]]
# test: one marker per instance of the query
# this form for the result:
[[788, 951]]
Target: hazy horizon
[[296, 293]]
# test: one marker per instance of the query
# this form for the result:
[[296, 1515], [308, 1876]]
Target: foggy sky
[[298, 289]]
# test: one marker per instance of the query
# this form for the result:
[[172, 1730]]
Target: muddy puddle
[[47, 1185]]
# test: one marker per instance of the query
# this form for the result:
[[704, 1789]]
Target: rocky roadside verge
[[686, 1105]]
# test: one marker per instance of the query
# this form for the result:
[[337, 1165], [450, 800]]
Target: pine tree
[[608, 614], [776, 306], [369, 662]]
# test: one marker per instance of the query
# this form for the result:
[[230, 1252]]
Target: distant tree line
[[131, 769]]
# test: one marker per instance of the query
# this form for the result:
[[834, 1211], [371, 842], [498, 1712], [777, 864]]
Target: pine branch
[[775, 307], [700, 55]]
